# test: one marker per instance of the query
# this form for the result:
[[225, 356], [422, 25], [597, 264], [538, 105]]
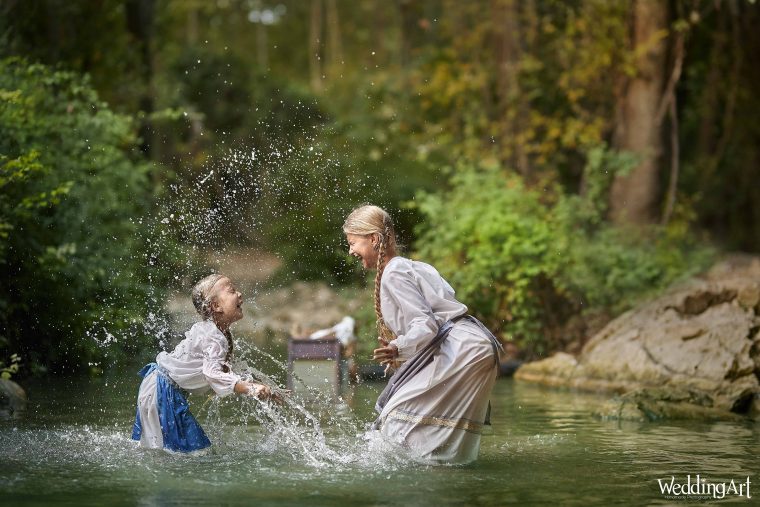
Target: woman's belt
[[421, 359]]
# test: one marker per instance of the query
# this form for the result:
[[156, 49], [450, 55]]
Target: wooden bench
[[316, 362]]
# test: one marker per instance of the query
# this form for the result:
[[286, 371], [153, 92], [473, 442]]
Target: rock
[[653, 404], [749, 297], [700, 338], [555, 370], [12, 399]]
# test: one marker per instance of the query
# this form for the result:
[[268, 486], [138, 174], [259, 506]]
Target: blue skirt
[[181, 432]]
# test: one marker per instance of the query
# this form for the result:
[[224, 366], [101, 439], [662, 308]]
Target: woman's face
[[363, 247]]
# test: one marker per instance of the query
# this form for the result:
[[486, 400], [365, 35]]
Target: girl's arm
[[227, 382], [214, 354]]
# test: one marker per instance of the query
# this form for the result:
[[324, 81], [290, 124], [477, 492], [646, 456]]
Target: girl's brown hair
[[366, 220]]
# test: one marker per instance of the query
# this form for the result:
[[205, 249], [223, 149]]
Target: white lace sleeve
[[214, 354]]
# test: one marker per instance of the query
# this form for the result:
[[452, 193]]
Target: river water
[[73, 447]]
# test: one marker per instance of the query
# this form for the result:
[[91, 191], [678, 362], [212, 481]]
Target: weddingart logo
[[700, 488]]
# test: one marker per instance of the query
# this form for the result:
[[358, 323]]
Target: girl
[[437, 401], [199, 362]]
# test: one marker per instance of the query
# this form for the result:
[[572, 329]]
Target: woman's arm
[[410, 306]]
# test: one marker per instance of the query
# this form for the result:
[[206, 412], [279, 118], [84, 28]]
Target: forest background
[[557, 161]]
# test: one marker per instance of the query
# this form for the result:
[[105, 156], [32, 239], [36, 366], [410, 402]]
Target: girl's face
[[226, 302], [364, 248]]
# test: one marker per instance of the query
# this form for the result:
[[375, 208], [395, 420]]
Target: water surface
[[72, 448]]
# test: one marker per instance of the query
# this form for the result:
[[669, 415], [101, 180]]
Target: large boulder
[[12, 399], [698, 345]]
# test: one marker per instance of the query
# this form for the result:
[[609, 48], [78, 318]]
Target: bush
[[524, 258], [72, 189]]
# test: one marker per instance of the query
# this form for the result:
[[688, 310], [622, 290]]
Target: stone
[[12, 399], [654, 404], [749, 297], [701, 337]]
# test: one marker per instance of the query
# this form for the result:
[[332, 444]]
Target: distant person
[[199, 362], [437, 401]]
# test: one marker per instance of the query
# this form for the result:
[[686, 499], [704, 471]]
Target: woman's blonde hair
[[364, 221]]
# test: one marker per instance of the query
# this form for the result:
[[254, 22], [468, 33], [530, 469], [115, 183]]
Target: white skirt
[[147, 405], [439, 413]]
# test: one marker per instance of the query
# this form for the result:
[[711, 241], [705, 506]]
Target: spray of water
[[293, 428], [250, 196]]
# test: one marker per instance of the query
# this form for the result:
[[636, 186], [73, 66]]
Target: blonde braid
[[383, 331], [228, 357]]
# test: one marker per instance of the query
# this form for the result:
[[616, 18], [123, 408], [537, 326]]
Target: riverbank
[[693, 352]]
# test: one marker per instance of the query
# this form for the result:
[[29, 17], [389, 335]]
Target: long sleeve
[[405, 303], [214, 354]]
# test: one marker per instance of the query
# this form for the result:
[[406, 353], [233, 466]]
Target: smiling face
[[226, 303], [363, 247]]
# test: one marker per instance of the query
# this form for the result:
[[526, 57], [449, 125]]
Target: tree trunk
[[411, 13], [378, 28], [510, 104], [140, 17], [334, 43], [315, 45], [634, 196]]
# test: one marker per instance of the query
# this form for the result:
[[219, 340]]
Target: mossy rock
[[12, 399], [655, 404]]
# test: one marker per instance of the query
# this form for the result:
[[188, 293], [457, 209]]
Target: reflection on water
[[73, 447]]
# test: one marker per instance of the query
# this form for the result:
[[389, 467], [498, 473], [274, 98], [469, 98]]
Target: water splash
[[293, 429], [231, 202], [245, 196]]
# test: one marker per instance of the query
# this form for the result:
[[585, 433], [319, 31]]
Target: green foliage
[[71, 193], [365, 102], [519, 256], [609, 266], [6, 372], [491, 248]]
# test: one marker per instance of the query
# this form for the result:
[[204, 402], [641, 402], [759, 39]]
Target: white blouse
[[415, 301], [196, 363]]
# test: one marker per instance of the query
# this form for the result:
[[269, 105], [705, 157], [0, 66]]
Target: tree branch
[[674, 162]]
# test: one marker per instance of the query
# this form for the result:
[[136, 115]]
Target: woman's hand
[[387, 357], [386, 354]]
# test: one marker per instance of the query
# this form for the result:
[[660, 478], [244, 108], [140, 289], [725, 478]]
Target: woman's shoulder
[[398, 266], [402, 264], [402, 267]]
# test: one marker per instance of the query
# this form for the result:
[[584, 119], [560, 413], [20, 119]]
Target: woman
[[437, 401]]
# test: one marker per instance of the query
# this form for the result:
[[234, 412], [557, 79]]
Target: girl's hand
[[264, 392], [382, 341], [260, 391]]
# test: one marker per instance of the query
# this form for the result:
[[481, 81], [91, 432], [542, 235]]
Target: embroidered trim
[[431, 420]]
